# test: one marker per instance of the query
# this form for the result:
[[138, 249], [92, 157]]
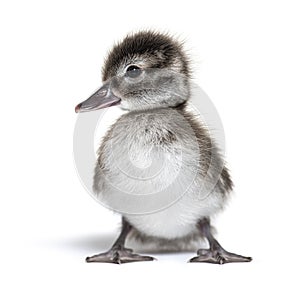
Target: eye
[[133, 71]]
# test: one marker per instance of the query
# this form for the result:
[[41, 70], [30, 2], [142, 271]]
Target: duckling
[[157, 166]]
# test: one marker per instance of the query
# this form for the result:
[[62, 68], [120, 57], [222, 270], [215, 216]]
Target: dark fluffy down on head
[[161, 47]]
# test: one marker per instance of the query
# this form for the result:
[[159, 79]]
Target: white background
[[246, 58]]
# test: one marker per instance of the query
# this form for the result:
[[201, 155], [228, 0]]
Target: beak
[[102, 98]]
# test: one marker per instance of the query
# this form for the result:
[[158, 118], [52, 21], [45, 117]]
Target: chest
[[148, 151]]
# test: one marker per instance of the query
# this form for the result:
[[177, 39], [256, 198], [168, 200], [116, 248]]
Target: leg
[[215, 253], [118, 253]]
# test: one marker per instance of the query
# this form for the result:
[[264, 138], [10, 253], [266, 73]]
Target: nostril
[[77, 108], [102, 93]]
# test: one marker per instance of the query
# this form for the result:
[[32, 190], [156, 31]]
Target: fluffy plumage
[[153, 49]]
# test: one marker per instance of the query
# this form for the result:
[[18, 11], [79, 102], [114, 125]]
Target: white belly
[[178, 220], [167, 204]]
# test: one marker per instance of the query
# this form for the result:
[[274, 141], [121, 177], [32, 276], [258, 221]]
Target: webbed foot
[[118, 256]]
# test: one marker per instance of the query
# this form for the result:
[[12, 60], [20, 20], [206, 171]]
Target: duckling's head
[[146, 70]]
